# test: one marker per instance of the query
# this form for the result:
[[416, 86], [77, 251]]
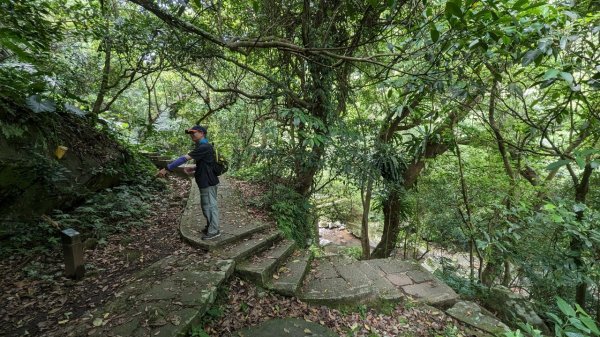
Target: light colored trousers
[[210, 209]]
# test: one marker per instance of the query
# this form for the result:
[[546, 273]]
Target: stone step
[[165, 300], [289, 277], [259, 269], [335, 281], [413, 280], [192, 222], [241, 250], [383, 289]]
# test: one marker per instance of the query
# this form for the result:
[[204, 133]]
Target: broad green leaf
[[567, 77], [550, 74], [557, 164], [574, 334], [586, 152], [373, 3], [590, 324], [429, 11], [563, 42], [555, 318], [565, 307], [572, 15], [435, 34], [530, 57], [74, 110], [519, 4], [36, 104], [580, 162], [578, 207], [577, 323], [20, 52], [453, 9], [558, 331]]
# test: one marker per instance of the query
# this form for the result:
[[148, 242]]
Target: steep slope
[[33, 180]]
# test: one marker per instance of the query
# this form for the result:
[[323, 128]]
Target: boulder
[[513, 308], [472, 314]]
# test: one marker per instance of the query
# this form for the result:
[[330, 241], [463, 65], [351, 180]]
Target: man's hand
[[162, 173], [189, 170]]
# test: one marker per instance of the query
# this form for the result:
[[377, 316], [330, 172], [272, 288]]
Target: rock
[[324, 242], [513, 308], [473, 315], [335, 224], [90, 244]]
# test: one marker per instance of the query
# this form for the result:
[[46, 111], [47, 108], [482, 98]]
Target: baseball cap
[[196, 128]]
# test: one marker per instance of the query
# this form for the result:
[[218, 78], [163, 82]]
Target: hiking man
[[207, 181]]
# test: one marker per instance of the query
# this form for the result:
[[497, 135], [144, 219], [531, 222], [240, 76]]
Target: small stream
[[335, 237]]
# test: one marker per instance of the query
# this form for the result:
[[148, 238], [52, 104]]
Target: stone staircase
[[165, 303], [261, 253], [264, 257]]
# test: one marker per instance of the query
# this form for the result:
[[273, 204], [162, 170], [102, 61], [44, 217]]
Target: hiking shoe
[[211, 236]]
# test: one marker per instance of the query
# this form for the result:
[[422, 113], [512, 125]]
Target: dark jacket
[[204, 155]]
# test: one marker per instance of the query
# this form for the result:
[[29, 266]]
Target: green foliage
[[198, 331], [354, 252], [571, 322], [450, 275], [113, 210], [106, 212], [292, 213], [26, 34], [576, 321], [253, 173]]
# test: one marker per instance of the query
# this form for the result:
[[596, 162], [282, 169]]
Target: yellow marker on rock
[[60, 151]]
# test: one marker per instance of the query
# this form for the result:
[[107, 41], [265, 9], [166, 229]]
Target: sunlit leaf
[[567, 77], [37, 104], [551, 73]]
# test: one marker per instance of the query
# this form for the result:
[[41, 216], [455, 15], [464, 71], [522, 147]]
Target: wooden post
[[73, 253]]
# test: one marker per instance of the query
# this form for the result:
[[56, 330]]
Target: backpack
[[220, 165]]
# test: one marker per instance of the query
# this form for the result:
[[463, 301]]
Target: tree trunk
[[391, 225], [97, 107], [576, 245], [364, 228]]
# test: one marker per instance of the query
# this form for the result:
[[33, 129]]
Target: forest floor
[[39, 301]]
